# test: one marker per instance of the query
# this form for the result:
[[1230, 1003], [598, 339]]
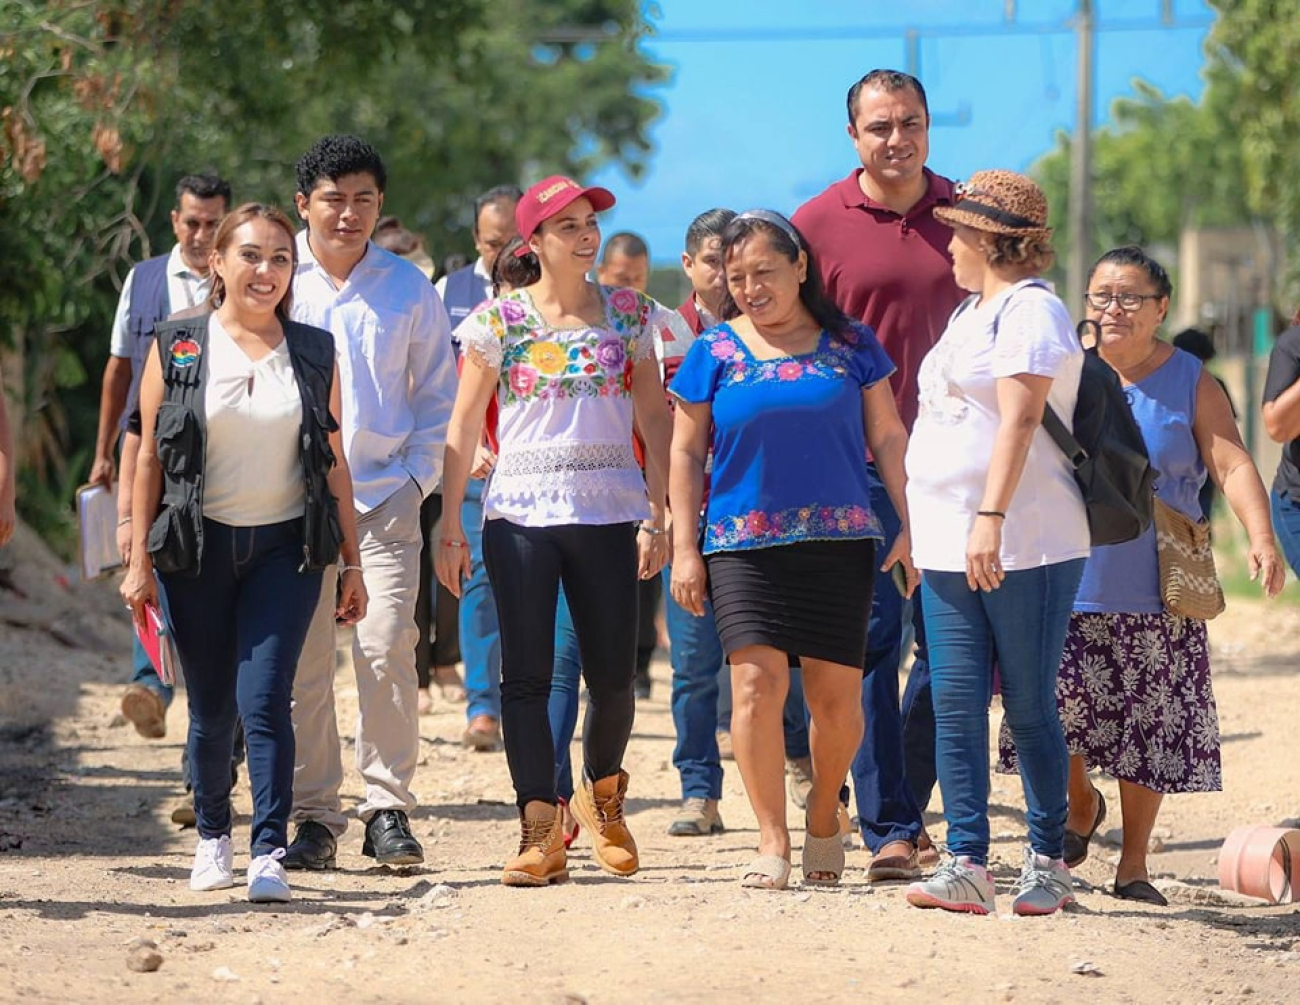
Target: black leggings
[[597, 564]]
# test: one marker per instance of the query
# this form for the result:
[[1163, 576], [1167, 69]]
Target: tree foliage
[[104, 104], [1256, 43]]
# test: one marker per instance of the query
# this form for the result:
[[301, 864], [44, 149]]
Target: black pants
[[437, 611], [597, 564]]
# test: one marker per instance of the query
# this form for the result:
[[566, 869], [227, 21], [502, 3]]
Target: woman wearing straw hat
[[570, 364], [1004, 535]]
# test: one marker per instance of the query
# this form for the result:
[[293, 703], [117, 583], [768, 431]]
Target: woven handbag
[[1189, 585]]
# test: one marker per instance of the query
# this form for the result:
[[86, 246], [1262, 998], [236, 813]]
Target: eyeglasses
[[1127, 301]]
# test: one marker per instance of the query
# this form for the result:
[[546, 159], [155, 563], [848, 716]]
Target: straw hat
[[999, 202]]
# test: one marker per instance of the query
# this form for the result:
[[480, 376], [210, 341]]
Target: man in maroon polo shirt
[[884, 259]]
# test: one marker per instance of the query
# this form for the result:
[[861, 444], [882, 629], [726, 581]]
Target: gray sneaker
[[1044, 886], [699, 818], [957, 885]]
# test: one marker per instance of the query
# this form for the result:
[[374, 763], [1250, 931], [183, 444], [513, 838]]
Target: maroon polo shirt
[[891, 272]]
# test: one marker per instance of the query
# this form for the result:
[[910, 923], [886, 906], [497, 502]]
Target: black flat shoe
[[389, 840], [1141, 891], [1076, 844], [313, 848]]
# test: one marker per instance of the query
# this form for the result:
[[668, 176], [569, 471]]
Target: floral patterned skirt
[[1136, 701]]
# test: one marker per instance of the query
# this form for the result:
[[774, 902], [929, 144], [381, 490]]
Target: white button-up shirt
[[397, 370], [184, 289]]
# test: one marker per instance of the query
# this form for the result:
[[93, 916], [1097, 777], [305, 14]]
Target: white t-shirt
[[252, 475], [951, 447]]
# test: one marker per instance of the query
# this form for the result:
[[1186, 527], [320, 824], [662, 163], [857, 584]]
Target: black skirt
[[809, 599]]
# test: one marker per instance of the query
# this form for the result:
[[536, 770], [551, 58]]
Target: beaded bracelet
[[448, 543]]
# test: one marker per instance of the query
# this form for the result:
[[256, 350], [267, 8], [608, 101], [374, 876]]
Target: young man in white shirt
[[398, 380]]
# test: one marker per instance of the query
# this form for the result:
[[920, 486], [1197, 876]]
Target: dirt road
[[90, 864]]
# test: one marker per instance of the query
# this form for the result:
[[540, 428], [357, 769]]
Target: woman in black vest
[[242, 497]]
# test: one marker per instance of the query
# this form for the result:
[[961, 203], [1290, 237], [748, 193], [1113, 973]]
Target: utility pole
[[1080, 215]]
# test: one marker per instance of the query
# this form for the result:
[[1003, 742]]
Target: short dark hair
[[887, 81], [510, 269], [500, 196], [332, 157], [788, 243], [392, 236], [1132, 255], [710, 223], [204, 186], [624, 243]]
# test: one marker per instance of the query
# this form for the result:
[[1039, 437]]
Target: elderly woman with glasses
[[1134, 689]]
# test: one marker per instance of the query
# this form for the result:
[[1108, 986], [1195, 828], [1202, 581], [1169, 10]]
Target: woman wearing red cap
[[571, 364]]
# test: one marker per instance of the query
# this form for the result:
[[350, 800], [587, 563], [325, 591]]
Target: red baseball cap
[[548, 197]]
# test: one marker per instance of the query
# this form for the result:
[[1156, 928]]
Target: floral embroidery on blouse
[[828, 361], [761, 529], [540, 362]]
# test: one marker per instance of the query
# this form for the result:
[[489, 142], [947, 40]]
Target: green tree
[[1163, 164], [1257, 44], [103, 105]]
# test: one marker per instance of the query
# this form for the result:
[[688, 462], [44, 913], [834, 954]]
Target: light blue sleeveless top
[[1125, 578]]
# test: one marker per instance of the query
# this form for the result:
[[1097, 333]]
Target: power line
[[856, 33]]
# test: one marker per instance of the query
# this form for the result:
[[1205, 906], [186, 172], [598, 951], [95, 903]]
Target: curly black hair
[[332, 157]]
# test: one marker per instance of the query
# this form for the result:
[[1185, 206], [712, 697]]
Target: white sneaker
[[267, 881], [957, 885], [1044, 887], [213, 864]]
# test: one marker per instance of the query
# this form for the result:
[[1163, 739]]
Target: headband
[[776, 220], [997, 215]]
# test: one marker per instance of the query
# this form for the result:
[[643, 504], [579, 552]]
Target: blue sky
[[754, 114]]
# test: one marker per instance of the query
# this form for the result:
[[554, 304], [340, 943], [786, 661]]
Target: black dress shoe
[[389, 840], [313, 847]]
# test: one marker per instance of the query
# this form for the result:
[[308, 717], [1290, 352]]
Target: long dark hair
[[784, 238]]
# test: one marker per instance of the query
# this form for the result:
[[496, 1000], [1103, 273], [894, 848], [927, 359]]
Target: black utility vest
[[180, 434]]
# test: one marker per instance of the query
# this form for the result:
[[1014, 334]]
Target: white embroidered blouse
[[565, 409]]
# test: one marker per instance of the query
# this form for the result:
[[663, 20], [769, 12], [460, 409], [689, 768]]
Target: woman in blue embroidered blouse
[[788, 395]]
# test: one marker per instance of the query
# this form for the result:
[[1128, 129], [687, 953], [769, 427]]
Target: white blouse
[[1025, 329], [565, 409], [252, 474]]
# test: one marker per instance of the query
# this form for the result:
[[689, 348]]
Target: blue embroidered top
[[789, 442]]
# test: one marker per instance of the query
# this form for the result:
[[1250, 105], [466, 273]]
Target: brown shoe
[[725, 750], [483, 733], [541, 859], [927, 855], [895, 861], [143, 707], [598, 806], [447, 680]]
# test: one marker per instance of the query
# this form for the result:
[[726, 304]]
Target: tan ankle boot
[[599, 807], [541, 859]]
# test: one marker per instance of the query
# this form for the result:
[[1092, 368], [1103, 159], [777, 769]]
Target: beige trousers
[[383, 654]]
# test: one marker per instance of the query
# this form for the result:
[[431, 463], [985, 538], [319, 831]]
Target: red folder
[[158, 644]]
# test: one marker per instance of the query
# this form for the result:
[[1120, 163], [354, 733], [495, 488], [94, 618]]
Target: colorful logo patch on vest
[[185, 352]]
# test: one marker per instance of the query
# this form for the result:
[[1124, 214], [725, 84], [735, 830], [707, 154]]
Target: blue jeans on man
[[1024, 621], [480, 632], [888, 810], [697, 660], [1286, 522]]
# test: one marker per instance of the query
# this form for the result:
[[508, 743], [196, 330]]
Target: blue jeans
[[480, 634], [240, 625], [1024, 621], [697, 660], [562, 707], [1286, 524], [887, 809], [918, 715]]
